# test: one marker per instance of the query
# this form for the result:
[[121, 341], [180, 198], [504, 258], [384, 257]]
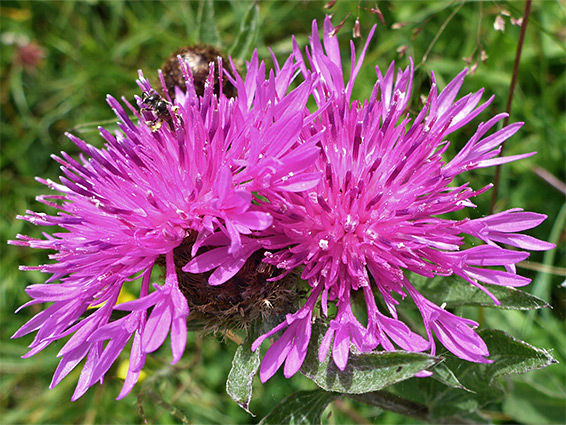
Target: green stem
[[440, 31]]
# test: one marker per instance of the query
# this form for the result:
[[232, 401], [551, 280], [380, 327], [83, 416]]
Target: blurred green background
[[58, 61]]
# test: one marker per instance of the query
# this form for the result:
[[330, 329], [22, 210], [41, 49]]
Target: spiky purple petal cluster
[[136, 199], [375, 214], [351, 194]]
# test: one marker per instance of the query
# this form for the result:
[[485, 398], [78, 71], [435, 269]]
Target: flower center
[[240, 301]]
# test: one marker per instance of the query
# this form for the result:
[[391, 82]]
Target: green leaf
[[246, 38], [303, 407], [207, 31], [364, 372], [244, 368], [445, 376], [443, 401], [455, 292], [392, 403], [509, 355]]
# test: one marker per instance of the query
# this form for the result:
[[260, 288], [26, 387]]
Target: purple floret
[[124, 206], [353, 194], [376, 214]]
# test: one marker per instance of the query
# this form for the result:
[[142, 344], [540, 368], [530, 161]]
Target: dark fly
[[155, 103]]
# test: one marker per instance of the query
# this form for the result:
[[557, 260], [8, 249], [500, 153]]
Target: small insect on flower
[[160, 108], [149, 199]]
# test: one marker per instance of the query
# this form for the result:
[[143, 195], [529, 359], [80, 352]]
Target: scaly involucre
[[126, 205]]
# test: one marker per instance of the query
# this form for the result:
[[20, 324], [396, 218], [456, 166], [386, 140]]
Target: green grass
[[94, 48]]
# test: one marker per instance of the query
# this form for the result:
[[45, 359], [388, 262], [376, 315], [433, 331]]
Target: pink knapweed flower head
[[188, 169], [378, 212]]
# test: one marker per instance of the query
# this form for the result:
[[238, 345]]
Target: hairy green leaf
[[249, 29], [245, 365], [509, 355], [444, 375], [364, 372], [303, 407], [207, 30], [385, 400], [455, 292]]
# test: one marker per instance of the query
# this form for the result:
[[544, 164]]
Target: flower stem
[[526, 14]]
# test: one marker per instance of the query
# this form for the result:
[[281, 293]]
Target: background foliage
[[58, 61]]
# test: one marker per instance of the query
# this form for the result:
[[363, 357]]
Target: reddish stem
[[526, 14]]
